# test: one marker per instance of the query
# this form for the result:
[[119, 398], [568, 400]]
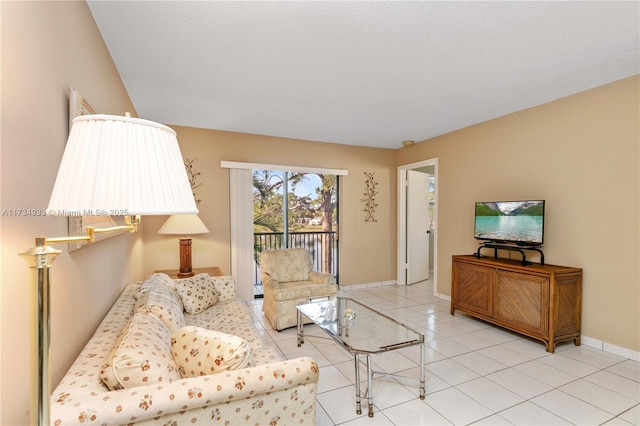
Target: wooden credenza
[[540, 301]]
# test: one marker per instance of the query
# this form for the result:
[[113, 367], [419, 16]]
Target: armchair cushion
[[287, 264], [301, 290]]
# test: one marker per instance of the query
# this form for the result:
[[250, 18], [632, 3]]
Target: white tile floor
[[476, 373]]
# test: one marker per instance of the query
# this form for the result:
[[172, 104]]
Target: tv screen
[[518, 222]]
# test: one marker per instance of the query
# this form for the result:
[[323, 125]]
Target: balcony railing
[[312, 241]]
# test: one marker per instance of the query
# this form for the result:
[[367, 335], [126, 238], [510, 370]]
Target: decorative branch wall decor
[[369, 199], [193, 176]]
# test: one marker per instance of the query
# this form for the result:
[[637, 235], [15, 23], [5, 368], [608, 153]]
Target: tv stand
[[539, 301], [519, 249]]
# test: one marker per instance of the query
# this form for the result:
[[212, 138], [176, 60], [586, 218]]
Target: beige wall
[[581, 154], [48, 47], [367, 250]]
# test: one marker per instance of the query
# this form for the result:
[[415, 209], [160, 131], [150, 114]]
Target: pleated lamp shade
[[116, 165]]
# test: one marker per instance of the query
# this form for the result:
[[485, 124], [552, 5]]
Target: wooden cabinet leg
[[551, 346]]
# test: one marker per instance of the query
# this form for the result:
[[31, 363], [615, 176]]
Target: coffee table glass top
[[359, 328]]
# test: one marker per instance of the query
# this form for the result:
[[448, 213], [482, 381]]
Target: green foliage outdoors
[[268, 203]]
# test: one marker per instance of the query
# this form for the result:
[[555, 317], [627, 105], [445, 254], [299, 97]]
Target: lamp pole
[[40, 258]]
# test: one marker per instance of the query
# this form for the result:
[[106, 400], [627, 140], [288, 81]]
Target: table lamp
[[111, 165], [187, 224]]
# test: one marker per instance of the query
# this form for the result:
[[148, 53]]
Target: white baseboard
[[611, 348], [367, 285], [443, 297]]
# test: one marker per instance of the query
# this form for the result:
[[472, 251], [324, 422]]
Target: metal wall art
[[369, 199]]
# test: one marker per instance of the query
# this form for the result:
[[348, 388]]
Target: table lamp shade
[[116, 165], [183, 224]]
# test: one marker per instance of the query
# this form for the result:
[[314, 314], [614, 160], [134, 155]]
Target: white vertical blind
[[241, 220]]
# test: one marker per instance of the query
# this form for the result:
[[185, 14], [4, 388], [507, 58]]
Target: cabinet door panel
[[567, 295], [522, 300], [473, 288]]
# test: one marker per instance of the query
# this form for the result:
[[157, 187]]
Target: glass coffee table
[[362, 331]]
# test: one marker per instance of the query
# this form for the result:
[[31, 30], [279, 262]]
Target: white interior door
[[417, 226]]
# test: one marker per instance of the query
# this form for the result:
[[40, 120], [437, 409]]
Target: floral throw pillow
[[198, 351], [197, 293], [225, 286]]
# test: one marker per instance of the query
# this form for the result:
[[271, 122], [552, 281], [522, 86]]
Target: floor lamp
[[111, 165], [184, 224]]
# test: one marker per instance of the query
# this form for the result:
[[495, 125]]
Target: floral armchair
[[288, 279]]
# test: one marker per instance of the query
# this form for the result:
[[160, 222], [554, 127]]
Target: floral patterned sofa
[[173, 352]]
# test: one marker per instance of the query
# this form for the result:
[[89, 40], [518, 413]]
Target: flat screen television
[[513, 222]]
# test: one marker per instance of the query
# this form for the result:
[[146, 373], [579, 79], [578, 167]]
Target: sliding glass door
[[293, 209]]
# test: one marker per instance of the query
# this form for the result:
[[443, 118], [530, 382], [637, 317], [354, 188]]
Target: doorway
[[410, 252]]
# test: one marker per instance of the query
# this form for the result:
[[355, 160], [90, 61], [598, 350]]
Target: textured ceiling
[[360, 72]]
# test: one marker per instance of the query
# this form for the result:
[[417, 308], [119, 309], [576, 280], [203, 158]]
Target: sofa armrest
[[200, 394], [320, 277]]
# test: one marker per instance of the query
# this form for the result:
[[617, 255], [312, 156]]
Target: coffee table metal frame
[[334, 315]]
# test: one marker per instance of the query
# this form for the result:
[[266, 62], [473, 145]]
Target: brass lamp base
[[185, 258]]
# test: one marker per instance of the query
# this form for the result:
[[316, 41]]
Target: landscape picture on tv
[[519, 222]]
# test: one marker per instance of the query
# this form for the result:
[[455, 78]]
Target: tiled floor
[[476, 373]]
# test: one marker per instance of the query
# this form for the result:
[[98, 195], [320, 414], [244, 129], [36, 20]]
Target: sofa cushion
[[231, 317], [265, 355], [164, 303], [154, 280], [141, 355], [198, 351], [225, 286], [198, 293]]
